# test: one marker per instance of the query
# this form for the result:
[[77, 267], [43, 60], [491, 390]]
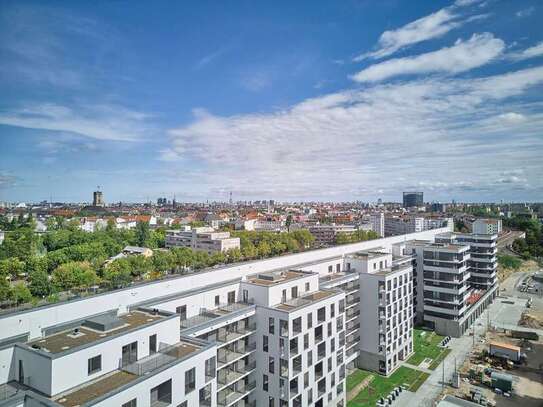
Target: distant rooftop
[[371, 253]]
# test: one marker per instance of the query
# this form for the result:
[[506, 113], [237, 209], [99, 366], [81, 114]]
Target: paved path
[[415, 367]]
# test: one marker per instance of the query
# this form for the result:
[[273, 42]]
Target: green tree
[[288, 222], [5, 289], [142, 233], [20, 293], [39, 283], [264, 249], [12, 267], [74, 274], [117, 273]]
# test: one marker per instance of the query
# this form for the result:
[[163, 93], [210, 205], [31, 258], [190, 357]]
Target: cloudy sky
[[350, 100]]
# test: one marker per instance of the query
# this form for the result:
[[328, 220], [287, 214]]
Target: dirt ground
[[527, 379], [527, 266]]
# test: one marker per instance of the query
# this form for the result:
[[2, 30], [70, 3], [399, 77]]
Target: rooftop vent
[[103, 323], [271, 276]]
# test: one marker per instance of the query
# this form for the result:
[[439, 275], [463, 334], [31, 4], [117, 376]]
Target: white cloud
[[462, 56], [431, 26], [532, 52], [101, 122], [511, 117], [525, 12], [437, 134], [425, 28]]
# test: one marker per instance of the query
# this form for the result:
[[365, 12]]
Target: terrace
[[213, 316], [300, 302], [95, 329]]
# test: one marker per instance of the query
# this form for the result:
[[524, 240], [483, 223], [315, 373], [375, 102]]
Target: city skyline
[[357, 101]]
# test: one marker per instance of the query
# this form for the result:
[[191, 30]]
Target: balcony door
[[130, 353]]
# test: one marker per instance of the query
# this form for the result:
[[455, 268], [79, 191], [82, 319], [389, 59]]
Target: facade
[[487, 226], [413, 199], [97, 198], [326, 234], [276, 332], [378, 223], [386, 307], [402, 225], [455, 280], [204, 239]]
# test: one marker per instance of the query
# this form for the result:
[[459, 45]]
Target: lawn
[[381, 386], [356, 377], [426, 345]]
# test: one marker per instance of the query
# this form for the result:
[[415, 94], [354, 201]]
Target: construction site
[[505, 366]]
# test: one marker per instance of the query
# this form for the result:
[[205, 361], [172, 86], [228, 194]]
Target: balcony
[[230, 395], [233, 374], [235, 334], [228, 356]]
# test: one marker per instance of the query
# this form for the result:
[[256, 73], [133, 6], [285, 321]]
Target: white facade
[[487, 226], [203, 239], [378, 223], [213, 322]]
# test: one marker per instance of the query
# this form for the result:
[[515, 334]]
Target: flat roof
[[504, 345], [275, 277], [300, 302], [371, 253], [69, 339]]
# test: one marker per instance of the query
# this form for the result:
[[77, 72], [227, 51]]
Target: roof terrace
[[300, 302], [275, 277], [94, 329]]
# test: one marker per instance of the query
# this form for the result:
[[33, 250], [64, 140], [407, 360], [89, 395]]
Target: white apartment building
[[448, 295], [487, 226], [202, 238], [386, 306], [378, 223], [397, 225], [275, 332]]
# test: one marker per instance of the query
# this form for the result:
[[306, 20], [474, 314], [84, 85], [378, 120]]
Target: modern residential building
[[401, 225], [413, 199], [378, 223], [487, 226], [276, 332], [386, 307], [202, 238], [455, 280], [326, 234]]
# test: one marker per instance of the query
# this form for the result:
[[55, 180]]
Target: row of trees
[[532, 245], [358, 236]]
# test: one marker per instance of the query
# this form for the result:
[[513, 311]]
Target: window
[[129, 353], [161, 394], [183, 404], [330, 269], [231, 297], [271, 325], [190, 380], [182, 311], [332, 310], [271, 402], [306, 341], [265, 382], [294, 292], [338, 267], [271, 365], [94, 364], [131, 403], [309, 321], [284, 296], [217, 300], [307, 286], [210, 368], [265, 343], [152, 344]]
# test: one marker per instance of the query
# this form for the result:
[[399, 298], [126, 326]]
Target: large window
[[162, 394], [94, 364], [182, 311], [131, 403], [271, 365], [265, 382], [190, 380], [271, 325], [265, 343]]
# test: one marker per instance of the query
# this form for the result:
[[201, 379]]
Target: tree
[[142, 233], [12, 267], [117, 273], [74, 274], [5, 289], [20, 293], [233, 255], [39, 284], [288, 222], [264, 249]]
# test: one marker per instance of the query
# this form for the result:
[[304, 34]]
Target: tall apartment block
[[386, 307], [276, 332], [377, 221], [202, 238], [455, 279]]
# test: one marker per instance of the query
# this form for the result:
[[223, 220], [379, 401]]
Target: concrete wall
[[33, 321]]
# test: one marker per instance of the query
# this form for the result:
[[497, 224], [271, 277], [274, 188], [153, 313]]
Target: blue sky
[[353, 100]]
